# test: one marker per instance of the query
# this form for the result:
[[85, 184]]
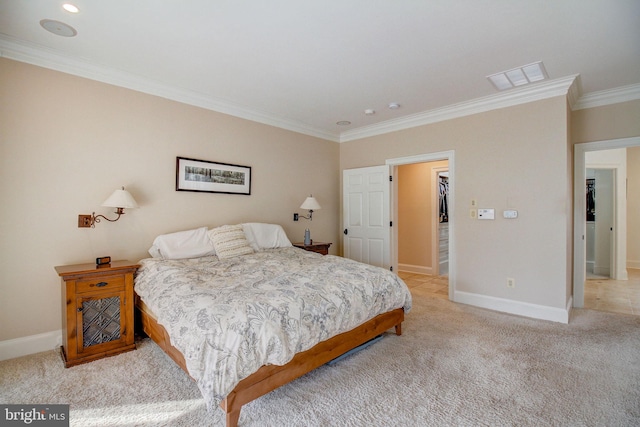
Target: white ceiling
[[306, 65]]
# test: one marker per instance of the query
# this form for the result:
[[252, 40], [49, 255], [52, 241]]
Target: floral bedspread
[[229, 317]]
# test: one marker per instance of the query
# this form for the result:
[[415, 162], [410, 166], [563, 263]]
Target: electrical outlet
[[84, 221], [511, 282], [295, 216], [474, 203]]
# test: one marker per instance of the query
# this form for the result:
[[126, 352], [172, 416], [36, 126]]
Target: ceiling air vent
[[519, 76]]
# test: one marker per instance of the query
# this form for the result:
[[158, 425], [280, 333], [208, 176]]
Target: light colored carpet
[[453, 365]]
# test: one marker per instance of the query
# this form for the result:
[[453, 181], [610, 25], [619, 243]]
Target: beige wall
[[512, 158], [67, 143], [603, 123], [633, 207], [570, 203]]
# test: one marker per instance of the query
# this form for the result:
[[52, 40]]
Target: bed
[[243, 312]]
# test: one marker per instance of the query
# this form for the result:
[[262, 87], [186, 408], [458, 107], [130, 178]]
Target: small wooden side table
[[319, 247], [97, 310]]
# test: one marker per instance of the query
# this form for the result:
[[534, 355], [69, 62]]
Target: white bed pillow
[[155, 252], [265, 236], [183, 244], [230, 241]]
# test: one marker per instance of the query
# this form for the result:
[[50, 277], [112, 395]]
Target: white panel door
[[366, 215]]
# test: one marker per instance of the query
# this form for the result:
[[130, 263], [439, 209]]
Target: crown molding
[[608, 97], [536, 92], [569, 86], [44, 57], [575, 92]]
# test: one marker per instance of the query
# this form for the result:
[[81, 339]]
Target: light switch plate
[[486, 213], [510, 214]]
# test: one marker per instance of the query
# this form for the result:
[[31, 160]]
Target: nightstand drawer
[[101, 283]]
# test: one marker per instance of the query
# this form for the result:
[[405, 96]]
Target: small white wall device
[[486, 213]]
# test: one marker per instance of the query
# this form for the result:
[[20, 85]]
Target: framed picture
[[212, 177]]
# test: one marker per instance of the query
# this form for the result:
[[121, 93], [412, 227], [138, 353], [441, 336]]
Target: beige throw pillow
[[229, 241]]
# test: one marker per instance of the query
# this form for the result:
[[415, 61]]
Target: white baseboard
[[32, 344], [519, 308], [601, 271], [415, 269], [633, 264]]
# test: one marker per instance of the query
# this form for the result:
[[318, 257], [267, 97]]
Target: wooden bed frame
[[270, 377]]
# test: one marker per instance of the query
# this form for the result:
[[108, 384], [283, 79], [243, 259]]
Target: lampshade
[[121, 199], [310, 203]]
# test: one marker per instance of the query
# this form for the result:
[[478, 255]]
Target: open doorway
[[616, 271], [601, 213], [420, 249], [441, 222]]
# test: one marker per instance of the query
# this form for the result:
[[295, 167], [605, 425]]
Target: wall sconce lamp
[[120, 199], [311, 204]]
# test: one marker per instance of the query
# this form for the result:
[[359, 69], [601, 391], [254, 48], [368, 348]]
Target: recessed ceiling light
[[394, 105], [58, 28], [70, 8], [519, 76], [343, 123]]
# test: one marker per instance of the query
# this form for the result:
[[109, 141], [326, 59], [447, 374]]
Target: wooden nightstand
[[97, 310], [319, 247]]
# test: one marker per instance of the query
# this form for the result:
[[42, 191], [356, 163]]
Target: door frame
[[425, 158], [579, 209]]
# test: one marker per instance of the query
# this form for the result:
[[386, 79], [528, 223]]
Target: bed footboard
[[270, 377]]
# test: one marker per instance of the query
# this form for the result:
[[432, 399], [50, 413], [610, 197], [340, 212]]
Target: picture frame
[[212, 177]]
